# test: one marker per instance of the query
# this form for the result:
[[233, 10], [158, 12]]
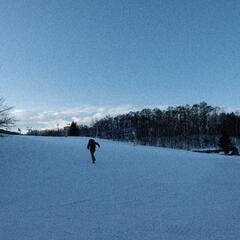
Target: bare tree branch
[[6, 120]]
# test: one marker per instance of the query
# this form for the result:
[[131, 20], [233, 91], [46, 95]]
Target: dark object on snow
[[208, 150], [92, 148], [234, 151]]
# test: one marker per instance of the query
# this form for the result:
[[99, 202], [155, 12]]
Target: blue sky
[[64, 56]]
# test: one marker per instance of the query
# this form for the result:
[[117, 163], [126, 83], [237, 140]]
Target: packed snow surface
[[50, 190]]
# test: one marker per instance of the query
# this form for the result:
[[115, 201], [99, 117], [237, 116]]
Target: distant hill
[[8, 132]]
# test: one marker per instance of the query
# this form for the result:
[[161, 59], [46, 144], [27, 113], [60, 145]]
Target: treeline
[[189, 126], [185, 127], [73, 130]]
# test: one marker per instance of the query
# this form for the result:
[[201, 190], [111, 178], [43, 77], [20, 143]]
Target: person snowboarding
[[92, 148]]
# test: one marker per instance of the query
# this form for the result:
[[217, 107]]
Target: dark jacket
[[92, 145]]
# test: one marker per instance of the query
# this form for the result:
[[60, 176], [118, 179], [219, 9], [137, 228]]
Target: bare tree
[[6, 120]]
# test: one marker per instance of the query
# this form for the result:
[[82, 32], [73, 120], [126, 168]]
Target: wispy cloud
[[49, 119]]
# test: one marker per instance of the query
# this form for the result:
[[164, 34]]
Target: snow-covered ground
[[50, 190]]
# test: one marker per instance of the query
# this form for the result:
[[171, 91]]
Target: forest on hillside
[[189, 126]]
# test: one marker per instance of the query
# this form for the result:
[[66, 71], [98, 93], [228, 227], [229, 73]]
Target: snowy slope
[[50, 190]]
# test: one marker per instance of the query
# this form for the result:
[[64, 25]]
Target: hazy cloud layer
[[49, 119]]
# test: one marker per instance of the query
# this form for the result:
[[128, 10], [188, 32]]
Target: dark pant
[[93, 157]]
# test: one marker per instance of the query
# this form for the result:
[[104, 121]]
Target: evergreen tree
[[73, 130], [225, 143]]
